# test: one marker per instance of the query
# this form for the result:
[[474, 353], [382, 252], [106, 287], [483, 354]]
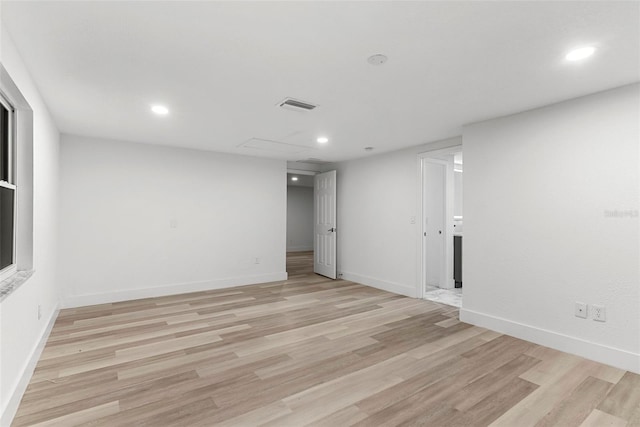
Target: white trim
[[589, 350], [9, 271], [300, 248], [396, 288], [448, 224], [439, 151], [11, 138], [12, 268], [9, 411], [419, 291], [175, 289], [302, 172], [22, 172], [4, 101]]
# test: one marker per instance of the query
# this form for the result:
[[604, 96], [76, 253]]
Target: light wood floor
[[309, 351]]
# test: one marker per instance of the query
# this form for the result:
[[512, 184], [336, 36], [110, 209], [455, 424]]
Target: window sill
[[8, 286]]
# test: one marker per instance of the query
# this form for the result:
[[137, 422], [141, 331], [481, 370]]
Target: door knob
[[331, 230]]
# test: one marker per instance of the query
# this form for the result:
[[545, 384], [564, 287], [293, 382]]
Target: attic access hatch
[[274, 146], [313, 161], [296, 105]]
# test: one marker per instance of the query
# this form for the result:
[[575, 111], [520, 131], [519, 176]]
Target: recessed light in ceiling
[[368, 148], [580, 53], [160, 110], [294, 178], [377, 59], [322, 139]]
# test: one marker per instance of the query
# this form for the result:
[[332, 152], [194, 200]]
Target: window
[[16, 186], [7, 192]]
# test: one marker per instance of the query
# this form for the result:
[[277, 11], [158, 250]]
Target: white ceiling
[[221, 67]]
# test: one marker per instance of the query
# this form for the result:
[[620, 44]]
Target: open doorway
[[442, 225], [311, 222], [299, 223]]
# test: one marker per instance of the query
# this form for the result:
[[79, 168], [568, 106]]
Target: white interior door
[[434, 231], [324, 218]]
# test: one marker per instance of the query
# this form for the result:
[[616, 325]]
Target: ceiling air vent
[[296, 105]]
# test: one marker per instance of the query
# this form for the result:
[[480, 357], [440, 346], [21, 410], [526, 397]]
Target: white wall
[[378, 197], [538, 187], [20, 330], [299, 218], [457, 193], [120, 200]]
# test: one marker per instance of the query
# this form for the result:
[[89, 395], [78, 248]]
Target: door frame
[[286, 183], [448, 232], [302, 172]]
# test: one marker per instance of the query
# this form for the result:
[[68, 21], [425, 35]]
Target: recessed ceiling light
[[160, 110], [580, 53], [322, 139], [294, 178]]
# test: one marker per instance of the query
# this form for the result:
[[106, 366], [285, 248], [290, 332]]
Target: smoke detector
[[377, 59]]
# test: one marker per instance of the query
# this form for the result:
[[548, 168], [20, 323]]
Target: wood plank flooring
[[309, 351]]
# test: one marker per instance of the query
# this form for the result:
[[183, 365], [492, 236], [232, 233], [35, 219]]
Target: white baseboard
[[589, 350], [396, 288], [300, 248], [160, 291], [6, 418]]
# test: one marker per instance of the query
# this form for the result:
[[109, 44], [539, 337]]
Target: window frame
[[10, 183]]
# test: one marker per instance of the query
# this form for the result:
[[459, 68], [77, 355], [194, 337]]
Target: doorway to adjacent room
[[441, 230], [311, 219]]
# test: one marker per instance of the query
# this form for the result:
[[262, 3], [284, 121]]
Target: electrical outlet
[[257, 261], [598, 313], [581, 310]]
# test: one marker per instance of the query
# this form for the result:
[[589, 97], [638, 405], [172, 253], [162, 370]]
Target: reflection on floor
[[300, 264], [445, 296]]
